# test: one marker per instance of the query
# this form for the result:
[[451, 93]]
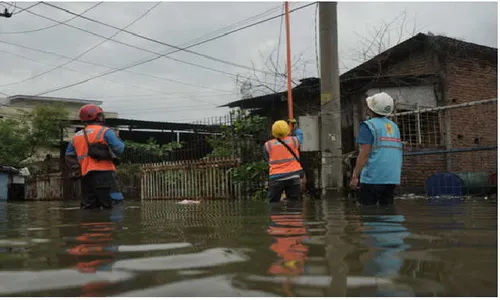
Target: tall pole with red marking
[[288, 61]]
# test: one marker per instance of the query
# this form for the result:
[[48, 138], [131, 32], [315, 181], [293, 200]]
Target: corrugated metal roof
[[54, 99], [141, 124], [9, 169]]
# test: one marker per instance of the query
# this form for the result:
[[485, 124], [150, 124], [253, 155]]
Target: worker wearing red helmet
[[93, 150]]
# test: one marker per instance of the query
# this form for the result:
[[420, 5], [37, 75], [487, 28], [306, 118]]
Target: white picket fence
[[192, 179]]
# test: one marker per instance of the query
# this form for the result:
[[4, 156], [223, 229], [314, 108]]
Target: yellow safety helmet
[[280, 129], [292, 121]]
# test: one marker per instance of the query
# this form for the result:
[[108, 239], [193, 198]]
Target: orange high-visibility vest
[[281, 161], [95, 133]]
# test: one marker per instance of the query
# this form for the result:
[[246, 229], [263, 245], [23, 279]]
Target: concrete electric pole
[[331, 131]]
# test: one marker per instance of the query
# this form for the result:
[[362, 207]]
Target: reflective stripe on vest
[[95, 134], [281, 161], [386, 158]]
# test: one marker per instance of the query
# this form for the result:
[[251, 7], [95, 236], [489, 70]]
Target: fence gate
[[193, 179], [44, 187]]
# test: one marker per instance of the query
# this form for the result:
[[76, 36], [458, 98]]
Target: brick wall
[[417, 168], [417, 63], [467, 80], [472, 80]]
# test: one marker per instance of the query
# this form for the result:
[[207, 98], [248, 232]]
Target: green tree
[[21, 137], [244, 139], [150, 150]]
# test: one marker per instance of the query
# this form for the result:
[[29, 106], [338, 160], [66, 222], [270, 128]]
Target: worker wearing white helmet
[[378, 166]]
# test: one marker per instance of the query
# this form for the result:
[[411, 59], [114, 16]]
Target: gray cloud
[[143, 97]]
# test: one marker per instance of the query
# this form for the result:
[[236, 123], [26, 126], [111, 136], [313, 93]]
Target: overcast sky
[[170, 90]]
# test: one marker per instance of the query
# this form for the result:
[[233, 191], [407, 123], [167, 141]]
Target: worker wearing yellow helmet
[[285, 170]]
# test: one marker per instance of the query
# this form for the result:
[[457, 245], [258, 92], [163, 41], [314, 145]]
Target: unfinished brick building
[[425, 73]]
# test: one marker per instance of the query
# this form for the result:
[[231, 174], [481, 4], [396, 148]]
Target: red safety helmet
[[89, 112]]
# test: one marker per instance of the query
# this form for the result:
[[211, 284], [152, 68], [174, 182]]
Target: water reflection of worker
[[96, 251], [93, 150], [380, 157], [385, 234], [285, 170], [289, 232]]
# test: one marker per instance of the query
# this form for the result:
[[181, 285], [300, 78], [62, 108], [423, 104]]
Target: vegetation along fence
[[197, 179], [460, 139]]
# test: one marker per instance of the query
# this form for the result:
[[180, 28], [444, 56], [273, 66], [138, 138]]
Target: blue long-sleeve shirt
[[300, 135], [114, 142]]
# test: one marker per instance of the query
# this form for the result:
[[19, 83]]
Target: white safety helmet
[[381, 104]]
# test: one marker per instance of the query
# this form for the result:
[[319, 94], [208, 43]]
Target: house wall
[[20, 106], [418, 63], [472, 80], [23, 106], [407, 97], [466, 80], [4, 181]]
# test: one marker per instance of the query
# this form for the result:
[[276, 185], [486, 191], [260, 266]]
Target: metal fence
[[44, 187], [194, 141], [459, 139], [194, 179]]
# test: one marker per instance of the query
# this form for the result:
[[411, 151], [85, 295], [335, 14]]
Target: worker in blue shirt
[[299, 134], [380, 159], [92, 152], [296, 131]]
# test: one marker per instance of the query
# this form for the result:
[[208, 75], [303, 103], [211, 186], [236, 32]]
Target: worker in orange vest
[[93, 150], [285, 169]]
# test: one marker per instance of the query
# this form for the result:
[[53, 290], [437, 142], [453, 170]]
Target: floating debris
[[152, 247], [65, 208], [185, 201]]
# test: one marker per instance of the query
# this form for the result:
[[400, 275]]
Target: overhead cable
[[52, 26], [121, 83], [154, 58], [159, 55], [84, 52]]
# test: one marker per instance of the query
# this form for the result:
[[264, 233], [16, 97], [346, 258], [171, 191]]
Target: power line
[[117, 82], [154, 58], [29, 7], [186, 49], [103, 66], [135, 47], [231, 26], [279, 46], [86, 51], [51, 26]]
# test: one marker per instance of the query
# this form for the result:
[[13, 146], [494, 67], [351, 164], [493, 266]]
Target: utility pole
[[331, 130], [6, 14]]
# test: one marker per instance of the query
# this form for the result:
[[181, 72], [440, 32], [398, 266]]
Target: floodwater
[[245, 248]]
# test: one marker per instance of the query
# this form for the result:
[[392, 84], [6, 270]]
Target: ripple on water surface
[[236, 248]]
